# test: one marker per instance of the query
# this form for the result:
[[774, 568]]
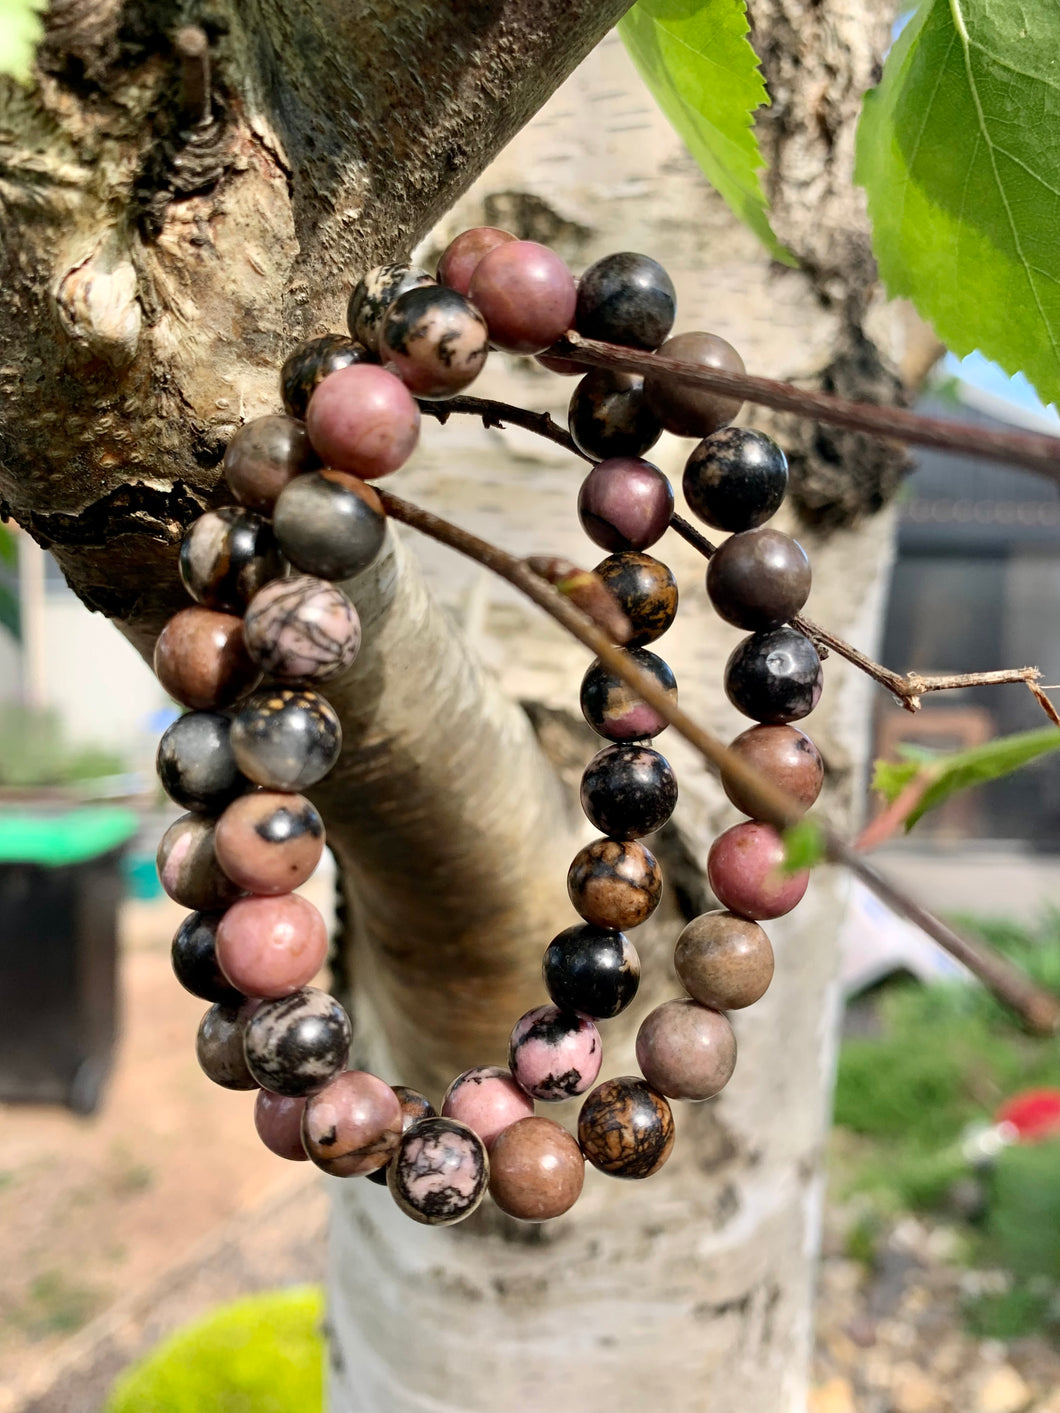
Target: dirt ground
[[116, 1230]]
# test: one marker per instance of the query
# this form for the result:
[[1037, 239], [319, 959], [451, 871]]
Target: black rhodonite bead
[[227, 556], [593, 970], [626, 1128], [286, 738], [614, 710], [736, 479], [196, 764], [758, 579], [627, 299], [774, 677], [646, 591], [609, 417], [373, 295], [330, 524], [628, 791], [306, 367], [295, 1044], [194, 957]]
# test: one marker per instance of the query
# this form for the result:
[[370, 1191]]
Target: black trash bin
[[60, 887]]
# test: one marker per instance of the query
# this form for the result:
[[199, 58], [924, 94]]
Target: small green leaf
[[959, 152], [8, 548], [10, 613], [21, 29], [963, 769], [803, 846], [696, 58]]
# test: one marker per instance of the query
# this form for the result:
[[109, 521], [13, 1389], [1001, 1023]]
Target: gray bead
[[330, 524], [196, 764], [285, 738]]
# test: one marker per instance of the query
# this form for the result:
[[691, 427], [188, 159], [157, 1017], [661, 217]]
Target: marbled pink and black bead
[[614, 710], [227, 556], [628, 790], [352, 1125], [554, 1054], [440, 1172], [270, 841], [296, 1044], [414, 1106], [436, 341], [188, 867], [625, 503], [626, 1128], [615, 883], [373, 295], [306, 367], [302, 630], [487, 1099]]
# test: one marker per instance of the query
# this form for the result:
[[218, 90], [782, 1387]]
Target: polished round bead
[[625, 503], [195, 762], [278, 1120], [286, 739], [526, 294], [302, 630], [353, 1125], [628, 791], [690, 411], [296, 1044], [614, 710], [188, 867], [615, 883], [626, 299], [440, 1172], [263, 456], [373, 295], [554, 1054], [724, 961], [330, 524], [227, 556], [646, 591], [758, 579], [785, 755], [536, 1170], [306, 367], [271, 946], [201, 659], [219, 1045], [736, 479], [461, 256], [194, 958], [414, 1107], [774, 677], [435, 340], [745, 872], [685, 1050], [594, 970], [363, 420], [609, 418], [487, 1099], [626, 1128], [270, 841]]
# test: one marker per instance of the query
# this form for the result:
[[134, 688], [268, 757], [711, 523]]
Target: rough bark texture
[[150, 285]]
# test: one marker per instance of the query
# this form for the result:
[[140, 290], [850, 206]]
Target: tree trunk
[[142, 319]]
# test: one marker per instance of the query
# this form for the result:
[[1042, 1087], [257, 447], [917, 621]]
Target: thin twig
[[1035, 451], [1038, 1008], [496, 414]]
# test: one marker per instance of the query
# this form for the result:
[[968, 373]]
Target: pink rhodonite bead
[[488, 1100], [744, 871], [353, 1125], [685, 1050], [527, 295], [555, 1054], [364, 420], [271, 946], [278, 1120]]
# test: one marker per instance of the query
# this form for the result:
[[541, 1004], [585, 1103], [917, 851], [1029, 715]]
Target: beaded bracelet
[[237, 760]]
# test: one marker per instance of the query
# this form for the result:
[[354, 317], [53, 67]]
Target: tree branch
[[1039, 1010]]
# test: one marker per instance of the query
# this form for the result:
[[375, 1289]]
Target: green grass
[[264, 1354]]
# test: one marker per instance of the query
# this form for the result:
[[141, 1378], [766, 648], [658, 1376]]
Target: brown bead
[[685, 1050], [219, 1045], [269, 842], [758, 579], [352, 1126], [202, 661], [536, 1170], [783, 754], [689, 411], [646, 591], [188, 867], [626, 1128], [724, 960], [615, 884], [263, 456]]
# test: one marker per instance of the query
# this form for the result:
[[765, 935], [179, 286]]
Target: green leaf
[[10, 612], [8, 548], [803, 846], [696, 58], [963, 769], [20, 33], [959, 152]]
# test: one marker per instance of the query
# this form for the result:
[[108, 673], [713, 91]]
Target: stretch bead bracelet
[[237, 760]]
